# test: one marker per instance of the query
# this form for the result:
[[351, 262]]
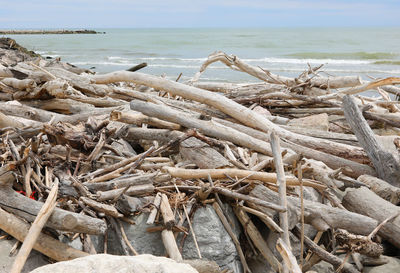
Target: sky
[[35, 14]]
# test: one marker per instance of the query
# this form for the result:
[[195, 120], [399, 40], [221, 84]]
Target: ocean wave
[[345, 55], [349, 71], [387, 62], [171, 59], [306, 61], [103, 63], [249, 60]]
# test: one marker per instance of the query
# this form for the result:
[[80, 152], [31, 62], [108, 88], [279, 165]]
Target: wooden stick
[[263, 217], [35, 229], [128, 243], [281, 181], [300, 177], [168, 215], [155, 209], [288, 257], [222, 173], [257, 239], [326, 256], [190, 224], [235, 240], [107, 209], [167, 235], [170, 245]]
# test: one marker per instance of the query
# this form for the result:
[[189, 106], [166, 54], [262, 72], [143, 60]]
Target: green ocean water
[[368, 52]]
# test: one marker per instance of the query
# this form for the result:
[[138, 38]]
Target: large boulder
[[144, 242], [214, 242], [105, 263]]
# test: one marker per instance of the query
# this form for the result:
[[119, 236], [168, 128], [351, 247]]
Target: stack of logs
[[117, 144]]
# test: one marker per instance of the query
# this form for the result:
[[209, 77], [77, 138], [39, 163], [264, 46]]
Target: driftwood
[[324, 255], [44, 244], [167, 235], [257, 239], [60, 219], [381, 188], [366, 202], [321, 217], [222, 173], [386, 165], [61, 123], [35, 229], [281, 181]]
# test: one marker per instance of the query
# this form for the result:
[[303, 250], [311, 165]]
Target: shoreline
[[60, 31]]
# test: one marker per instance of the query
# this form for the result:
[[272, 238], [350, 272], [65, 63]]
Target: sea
[[368, 52]]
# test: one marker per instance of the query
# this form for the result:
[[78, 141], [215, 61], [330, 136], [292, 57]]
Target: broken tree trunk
[[366, 202], [60, 219], [45, 244], [386, 165]]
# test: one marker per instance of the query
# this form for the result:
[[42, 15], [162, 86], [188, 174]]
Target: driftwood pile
[[117, 144]]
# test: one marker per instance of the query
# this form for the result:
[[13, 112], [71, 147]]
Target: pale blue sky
[[203, 13]]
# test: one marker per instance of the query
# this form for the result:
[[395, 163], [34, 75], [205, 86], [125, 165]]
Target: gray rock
[[323, 267], [34, 260], [392, 266], [77, 244], [144, 242], [104, 263], [214, 242]]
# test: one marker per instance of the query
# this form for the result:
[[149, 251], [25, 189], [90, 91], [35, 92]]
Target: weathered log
[[386, 165], [201, 154], [137, 118], [26, 84], [8, 121], [321, 216], [382, 188], [207, 127], [62, 106], [132, 191], [19, 110], [60, 219], [44, 244], [106, 209], [366, 202], [236, 63]]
